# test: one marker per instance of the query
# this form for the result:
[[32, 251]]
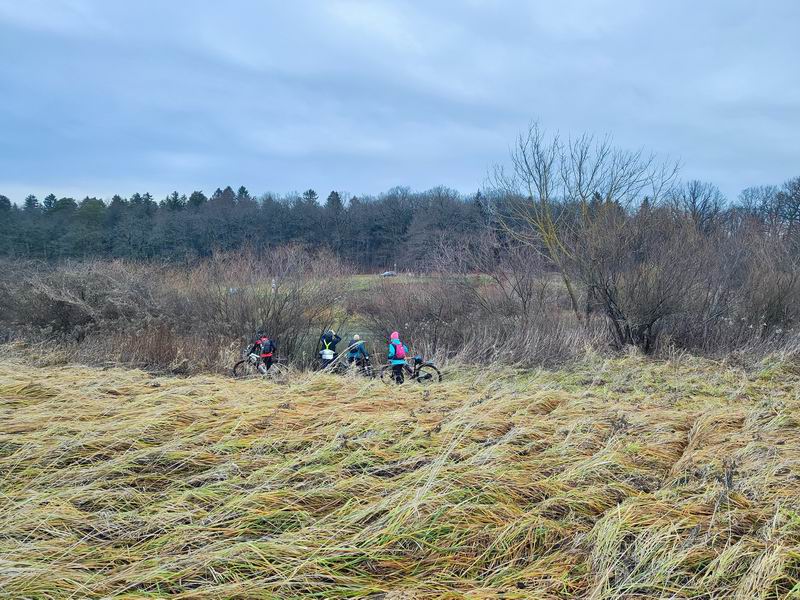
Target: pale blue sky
[[104, 96]]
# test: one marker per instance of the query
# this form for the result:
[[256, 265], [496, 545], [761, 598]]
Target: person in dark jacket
[[357, 350], [262, 352], [328, 341]]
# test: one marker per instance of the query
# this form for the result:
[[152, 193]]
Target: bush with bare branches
[[168, 317]]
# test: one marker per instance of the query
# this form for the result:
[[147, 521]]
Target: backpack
[[265, 346], [399, 350]]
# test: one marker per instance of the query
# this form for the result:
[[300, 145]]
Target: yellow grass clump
[[618, 479]]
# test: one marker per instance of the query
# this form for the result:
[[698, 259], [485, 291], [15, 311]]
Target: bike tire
[[244, 369], [427, 373], [386, 374]]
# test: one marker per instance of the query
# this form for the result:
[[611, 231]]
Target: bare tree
[[520, 280], [640, 269], [788, 200], [558, 190], [533, 189], [702, 201]]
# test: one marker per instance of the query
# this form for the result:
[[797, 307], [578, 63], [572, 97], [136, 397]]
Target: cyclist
[[397, 356], [357, 351], [261, 352], [328, 354]]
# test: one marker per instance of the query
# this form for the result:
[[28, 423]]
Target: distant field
[[370, 281], [622, 478]]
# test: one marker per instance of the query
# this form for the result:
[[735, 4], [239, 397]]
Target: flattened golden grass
[[617, 479]]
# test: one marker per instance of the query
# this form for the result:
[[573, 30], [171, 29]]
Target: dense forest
[[370, 232]]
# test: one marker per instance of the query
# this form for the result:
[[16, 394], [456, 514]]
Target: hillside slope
[[617, 479]]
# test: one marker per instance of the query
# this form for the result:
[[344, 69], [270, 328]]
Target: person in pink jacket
[[397, 356]]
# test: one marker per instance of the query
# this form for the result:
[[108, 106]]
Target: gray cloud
[[103, 97]]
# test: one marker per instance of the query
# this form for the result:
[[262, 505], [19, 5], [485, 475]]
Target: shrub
[[159, 316]]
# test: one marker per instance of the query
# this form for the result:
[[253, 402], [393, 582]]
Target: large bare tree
[[562, 196]]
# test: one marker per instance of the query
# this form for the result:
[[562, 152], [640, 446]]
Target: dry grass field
[[622, 478]]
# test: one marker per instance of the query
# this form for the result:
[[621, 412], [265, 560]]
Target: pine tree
[[150, 205], [197, 199], [334, 202], [65, 205], [31, 204], [228, 195], [242, 194], [174, 202]]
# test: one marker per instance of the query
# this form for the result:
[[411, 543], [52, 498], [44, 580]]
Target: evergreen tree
[[228, 195], [150, 205], [174, 202], [92, 211], [242, 194], [197, 199], [225, 198], [7, 226], [31, 204], [65, 206], [115, 212], [334, 203]]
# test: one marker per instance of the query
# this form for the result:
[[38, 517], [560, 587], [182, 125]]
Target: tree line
[[396, 227], [371, 232]]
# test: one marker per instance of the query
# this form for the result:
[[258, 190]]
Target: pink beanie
[[394, 336]]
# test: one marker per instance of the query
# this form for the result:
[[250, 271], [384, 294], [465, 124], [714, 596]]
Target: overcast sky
[[100, 97]]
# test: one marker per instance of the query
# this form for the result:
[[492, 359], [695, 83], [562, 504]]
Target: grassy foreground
[[617, 479]]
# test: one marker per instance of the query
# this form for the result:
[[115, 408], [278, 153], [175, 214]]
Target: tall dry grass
[[471, 320], [622, 478]]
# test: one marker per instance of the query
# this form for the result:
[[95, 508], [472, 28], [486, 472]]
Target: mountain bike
[[247, 368], [341, 366], [418, 370]]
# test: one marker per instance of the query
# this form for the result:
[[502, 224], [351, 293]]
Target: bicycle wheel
[[244, 369], [428, 374], [387, 376]]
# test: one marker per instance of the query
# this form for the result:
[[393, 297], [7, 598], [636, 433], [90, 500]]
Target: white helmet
[[356, 337]]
